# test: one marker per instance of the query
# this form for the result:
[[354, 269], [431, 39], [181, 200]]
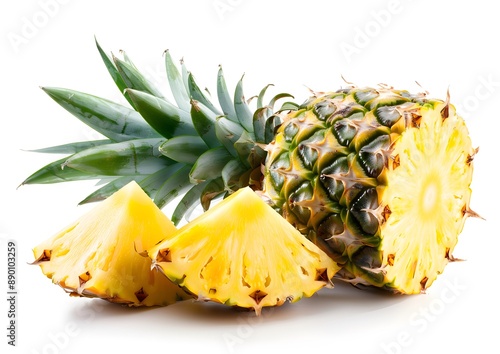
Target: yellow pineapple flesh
[[96, 256], [242, 253], [428, 194]]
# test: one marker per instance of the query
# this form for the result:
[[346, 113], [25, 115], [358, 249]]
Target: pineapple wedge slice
[[242, 253], [96, 256]]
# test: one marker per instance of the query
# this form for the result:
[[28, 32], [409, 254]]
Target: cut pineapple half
[[379, 179], [427, 196], [96, 255], [242, 253]]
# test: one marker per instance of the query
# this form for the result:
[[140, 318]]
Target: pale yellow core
[[426, 195], [431, 190]]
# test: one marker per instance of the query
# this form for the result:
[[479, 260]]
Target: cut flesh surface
[[96, 256], [242, 253]]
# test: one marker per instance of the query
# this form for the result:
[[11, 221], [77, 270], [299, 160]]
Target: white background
[[445, 44]]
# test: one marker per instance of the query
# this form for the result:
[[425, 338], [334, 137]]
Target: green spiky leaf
[[184, 148], [289, 106], [176, 83], [72, 148], [259, 123], [231, 174], [127, 59], [213, 189], [109, 189], [260, 98], [130, 158], [165, 118], [276, 98], [152, 184], [55, 172], [198, 95], [244, 146], [185, 75], [241, 107], [228, 133], [173, 186], [210, 164], [134, 79], [225, 100], [204, 122], [271, 124], [112, 120], [113, 71], [188, 202]]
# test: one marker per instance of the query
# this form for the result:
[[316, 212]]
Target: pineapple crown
[[189, 146]]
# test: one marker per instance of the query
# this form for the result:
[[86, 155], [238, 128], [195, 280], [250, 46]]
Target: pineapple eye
[[333, 225], [258, 295], [164, 255], [303, 193], [390, 259], [290, 131], [84, 277], [387, 115], [344, 131], [335, 187], [141, 295], [277, 168], [322, 275], [364, 96], [364, 211], [308, 156], [373, 155], [324, 109], [44, 257]]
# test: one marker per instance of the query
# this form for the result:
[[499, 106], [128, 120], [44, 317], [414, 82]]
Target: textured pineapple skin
[[337, 170]]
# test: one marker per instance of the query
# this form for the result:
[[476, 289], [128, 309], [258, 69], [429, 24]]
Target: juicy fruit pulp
[[379, 179], [96, 255], [428, 195], [242, 253]]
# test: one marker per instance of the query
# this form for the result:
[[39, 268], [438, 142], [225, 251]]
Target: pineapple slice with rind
[[242, 253], [96, 256]]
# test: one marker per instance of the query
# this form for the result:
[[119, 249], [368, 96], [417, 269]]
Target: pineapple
[[96, 256], [242, 253], [378, 178]]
